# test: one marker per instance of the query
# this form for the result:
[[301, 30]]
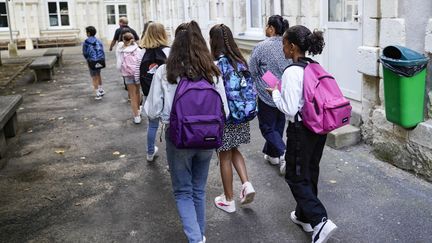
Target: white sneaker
[[271, 160], [306, 227], [323, 231], [137, 119], [282, 165], [98, 95], [150, 157], [223, 204], [247, 193], [101, 92]]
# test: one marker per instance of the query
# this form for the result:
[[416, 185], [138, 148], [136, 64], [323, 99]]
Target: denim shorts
[[130, 80], [94, 72]]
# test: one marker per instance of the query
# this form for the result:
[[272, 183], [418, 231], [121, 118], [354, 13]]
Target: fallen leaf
[[59, 151], [42, 95], [77, 204], [91, 125], [60, 118], [122, 156], [116, 153], [29, 131], [75, 109], [332, 181], [80, 183], [51, 119], [21, 108], [24, 90], [83, 158]]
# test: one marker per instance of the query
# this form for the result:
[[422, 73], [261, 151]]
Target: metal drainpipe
[[140, 15]]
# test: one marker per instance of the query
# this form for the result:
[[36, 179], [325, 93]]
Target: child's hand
[[270, 90]]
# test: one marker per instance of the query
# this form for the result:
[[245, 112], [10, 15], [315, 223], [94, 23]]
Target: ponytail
[[307, 41], [315, 41], [279, 24]]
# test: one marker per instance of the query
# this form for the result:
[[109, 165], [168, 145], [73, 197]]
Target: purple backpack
[[325, 108], [197, 116]]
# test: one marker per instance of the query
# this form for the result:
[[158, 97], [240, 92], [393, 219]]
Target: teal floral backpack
[[240, 91]]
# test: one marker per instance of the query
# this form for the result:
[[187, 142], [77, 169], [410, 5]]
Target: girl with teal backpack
[[241, 97]]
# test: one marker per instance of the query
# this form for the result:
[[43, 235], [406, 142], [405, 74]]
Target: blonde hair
[[123, 20], [128, 39], [154, 36]]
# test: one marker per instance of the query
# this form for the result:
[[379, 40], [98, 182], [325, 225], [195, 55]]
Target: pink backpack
[[129, 63], [325, 108]]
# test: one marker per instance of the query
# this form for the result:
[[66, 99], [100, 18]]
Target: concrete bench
[[56, 52], [43, 67], [8, 119]]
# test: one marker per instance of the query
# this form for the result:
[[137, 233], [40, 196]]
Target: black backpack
[[152, 59]]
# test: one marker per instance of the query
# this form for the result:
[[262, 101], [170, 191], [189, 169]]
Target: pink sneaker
[[222, 203], [247, 193]]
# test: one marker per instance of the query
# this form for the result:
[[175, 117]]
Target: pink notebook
[[271, 80]]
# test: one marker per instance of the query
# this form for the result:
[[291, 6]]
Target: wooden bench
[[43, 67], [8, 119], [55, 52]]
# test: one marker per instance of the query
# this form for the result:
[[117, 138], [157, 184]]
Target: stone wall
[[403, 22]]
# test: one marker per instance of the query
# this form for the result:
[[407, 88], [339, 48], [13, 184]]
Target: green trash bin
[[404, 85]]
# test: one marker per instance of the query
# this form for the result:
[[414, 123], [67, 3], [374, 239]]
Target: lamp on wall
[[12, 47]]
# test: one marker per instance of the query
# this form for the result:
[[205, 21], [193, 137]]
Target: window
[[3, 16], [58, 12], [255, 13], [111, 17], [343, 10], [254, 18]]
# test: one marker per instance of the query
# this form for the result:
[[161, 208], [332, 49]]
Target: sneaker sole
[[248, 198]]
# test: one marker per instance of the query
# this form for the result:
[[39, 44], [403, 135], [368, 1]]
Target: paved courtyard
[[77, 172]]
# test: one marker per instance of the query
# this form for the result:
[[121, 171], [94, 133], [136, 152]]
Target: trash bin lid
[[402, 56]]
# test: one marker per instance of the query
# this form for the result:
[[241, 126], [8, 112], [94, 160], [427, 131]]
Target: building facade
[[355, 31]]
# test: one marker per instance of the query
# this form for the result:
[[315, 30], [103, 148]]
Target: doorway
[[114, 11], [342, 25]]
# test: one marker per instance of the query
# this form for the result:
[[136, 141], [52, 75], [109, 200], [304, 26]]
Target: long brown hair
[[189, 56], [222, 43]]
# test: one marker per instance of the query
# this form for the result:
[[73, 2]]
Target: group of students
[[189, 60]]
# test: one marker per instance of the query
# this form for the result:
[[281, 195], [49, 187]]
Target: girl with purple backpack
[[229, 58], [304, 147], [189, 61]]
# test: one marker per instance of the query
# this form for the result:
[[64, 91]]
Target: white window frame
[[6, 15], [60, 26], [254, 31]]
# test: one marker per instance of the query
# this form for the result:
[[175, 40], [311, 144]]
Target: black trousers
[[272, 124], [303, 155]]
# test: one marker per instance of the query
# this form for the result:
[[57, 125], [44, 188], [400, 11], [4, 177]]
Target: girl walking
[[127, 57], [267, 56], [304, 147], [154, 52], [230, 61], [189, 59]]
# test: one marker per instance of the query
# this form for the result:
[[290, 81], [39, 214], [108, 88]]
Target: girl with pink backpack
[[304, 147], [127, 54]]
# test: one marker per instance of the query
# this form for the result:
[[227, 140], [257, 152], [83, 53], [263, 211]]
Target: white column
[[28, 42]]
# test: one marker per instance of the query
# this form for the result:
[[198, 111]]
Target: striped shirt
[[268, 55]]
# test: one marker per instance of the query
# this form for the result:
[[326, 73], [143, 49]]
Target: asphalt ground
[[76, 172]]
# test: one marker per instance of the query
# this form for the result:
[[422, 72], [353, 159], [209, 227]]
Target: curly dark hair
[[189, 56], [312, 42], [222, 43]]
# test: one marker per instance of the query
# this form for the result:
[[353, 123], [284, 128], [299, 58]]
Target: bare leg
[[99, 80], [138, 95], [226, 173], [239, 165], [134, 99], [95, 81]]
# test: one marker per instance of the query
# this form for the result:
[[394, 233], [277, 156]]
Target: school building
[[355, 31]]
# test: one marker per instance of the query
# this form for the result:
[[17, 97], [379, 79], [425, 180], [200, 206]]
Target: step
[[343, 137]]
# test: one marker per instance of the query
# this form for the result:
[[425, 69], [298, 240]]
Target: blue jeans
[[151, 135], [189, 170]]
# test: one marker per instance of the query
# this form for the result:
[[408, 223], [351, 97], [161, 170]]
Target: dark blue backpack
[[240, 91], [95, 53]]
